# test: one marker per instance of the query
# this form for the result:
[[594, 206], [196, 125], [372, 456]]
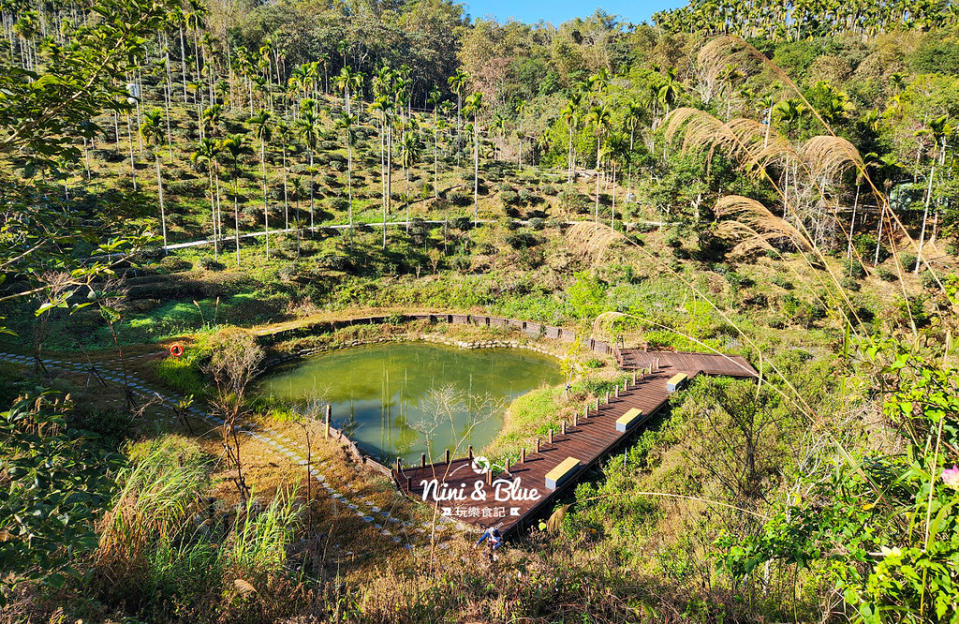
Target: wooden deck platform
[[474, 501]]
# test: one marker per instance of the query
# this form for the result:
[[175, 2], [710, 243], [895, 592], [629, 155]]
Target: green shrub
[[885, 274], [908, 261], [509, 198], [929, 280], [782, 281], [173, 264], [521, 240], [853, 269], [460, 199], [211, 264], [182, 375]]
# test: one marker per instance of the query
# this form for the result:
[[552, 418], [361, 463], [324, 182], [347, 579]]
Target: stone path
[[283, 446]]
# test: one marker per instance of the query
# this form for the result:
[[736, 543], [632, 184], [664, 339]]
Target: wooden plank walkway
[[478, 500]]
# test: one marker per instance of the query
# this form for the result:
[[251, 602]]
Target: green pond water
[[395, 399]]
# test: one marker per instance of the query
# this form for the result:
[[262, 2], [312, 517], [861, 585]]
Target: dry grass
[[754, 226]]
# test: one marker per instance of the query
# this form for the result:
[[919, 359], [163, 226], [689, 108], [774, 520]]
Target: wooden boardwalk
[[587, 439]]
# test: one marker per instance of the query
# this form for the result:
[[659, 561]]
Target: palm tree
[[616, 151], [458, 83], [598, 118], [210, 120], [207, 152], [263, 131], [434, 99], [296, 191], [473, 105], [285, 134], [669, 89], [234, 145], [571, 114], [345, 81], [347, 121], [410, 153], [499, 126], [939, 128], [309, 124], [154, 133], [634, 114]]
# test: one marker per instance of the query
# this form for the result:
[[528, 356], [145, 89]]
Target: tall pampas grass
[[726, 50], [754, 226]]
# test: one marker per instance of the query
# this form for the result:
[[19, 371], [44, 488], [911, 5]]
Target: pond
[[397, 399]]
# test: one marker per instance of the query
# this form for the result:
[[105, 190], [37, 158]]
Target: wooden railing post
[[550, 439], [586, 413], [575, 420], [522, 455], [399, 465], [422, 460], [507, 464], [537, 445], [563, 427], [409, 484], [469, 452], [447, 456], [607, 396], [329, 409]]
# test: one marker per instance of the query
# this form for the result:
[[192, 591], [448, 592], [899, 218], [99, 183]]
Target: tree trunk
[[596, 208], [349, 180], [266, 209], [475, 171], [852, 225], [310, 150], [156, 159], [236, 214], [133, 168], [925, 216]]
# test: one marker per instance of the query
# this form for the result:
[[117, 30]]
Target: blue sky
[[559, 11]]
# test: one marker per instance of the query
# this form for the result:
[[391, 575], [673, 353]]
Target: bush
[[528, 198], [672, 238], [573, 201], [172, 264], [340, 204], [853, 269], [333, 262], [885, 274], [509, 198], [210, 263], [908, 261], [780, 280], [460, 199], [929, 280], [913, 307], [182, 375]]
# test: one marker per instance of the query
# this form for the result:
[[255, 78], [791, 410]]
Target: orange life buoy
[[176, 350]]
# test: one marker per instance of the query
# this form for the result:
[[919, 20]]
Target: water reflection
[[402, 399]]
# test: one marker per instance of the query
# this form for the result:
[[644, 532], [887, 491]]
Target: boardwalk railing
[[511, 499]]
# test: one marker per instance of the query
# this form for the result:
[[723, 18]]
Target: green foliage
[[182, 374], [586, 296], [55, 484], [886, 523]]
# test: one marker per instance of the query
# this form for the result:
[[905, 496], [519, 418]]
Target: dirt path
[[282, 446]]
